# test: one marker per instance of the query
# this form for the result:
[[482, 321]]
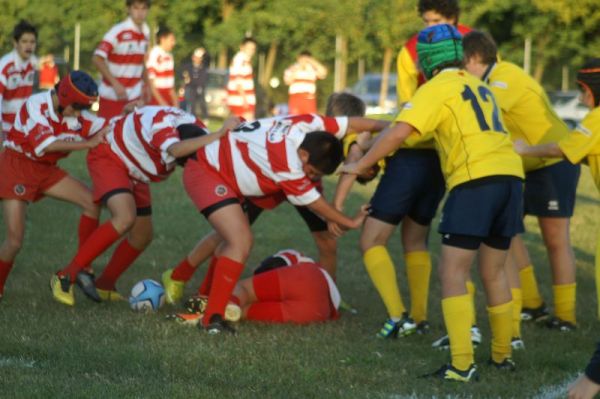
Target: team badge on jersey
[[221, 190], [19, 189]]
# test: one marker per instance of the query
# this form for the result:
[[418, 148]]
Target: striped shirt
[[261, 158], [124, 48], [37, 126], [240, 75], [16, 85], [141, 139], [302, 80], [161, 68]]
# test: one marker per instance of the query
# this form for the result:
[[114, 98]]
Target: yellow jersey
[[526, 110], [467, 127], [583, 144]]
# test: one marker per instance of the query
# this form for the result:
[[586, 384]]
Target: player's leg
[[231, 224], [326, 243], [555, 232], [512, 273], [493, 276], [14, 218], [534, 307]]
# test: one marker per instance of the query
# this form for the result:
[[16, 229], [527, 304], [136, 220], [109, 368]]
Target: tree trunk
[[542, 60], [270, 63], [385, 76], [341, 60], [226, 10]]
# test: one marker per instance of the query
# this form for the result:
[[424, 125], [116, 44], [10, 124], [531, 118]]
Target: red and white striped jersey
[[161, 68], [124, 48], [240, 75], [293, 257], [303, 80], [141, 139], [37, 126], [16, 85], [260, 158]]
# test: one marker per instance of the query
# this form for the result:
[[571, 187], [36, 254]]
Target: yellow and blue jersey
[[467, 127], [526, 110], [583, 144]]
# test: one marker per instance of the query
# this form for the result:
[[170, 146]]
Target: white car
[[567, 106], [368, 89]]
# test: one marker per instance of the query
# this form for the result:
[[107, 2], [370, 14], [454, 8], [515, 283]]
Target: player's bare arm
[[100, 63], [360, 124], [329, 213], [551, 150], [187, 147]]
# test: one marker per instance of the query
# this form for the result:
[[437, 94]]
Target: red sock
[[122, 258], [87, 225], [102, 238], [226, 274], [184, 271], [206, 283], [4, 271]]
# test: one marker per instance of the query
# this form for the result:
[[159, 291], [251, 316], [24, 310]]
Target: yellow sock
[[418, 271], [501, 326], [471, 290], [598, 274], [564, 302], [383, 274], [531, 294], [456, 311], [517, 304]]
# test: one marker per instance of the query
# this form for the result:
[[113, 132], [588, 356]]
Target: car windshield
[[216, 80], [373, 85]]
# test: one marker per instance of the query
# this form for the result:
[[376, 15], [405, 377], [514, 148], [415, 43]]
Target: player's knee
[[14, 243], [326, 243], [123, 222]]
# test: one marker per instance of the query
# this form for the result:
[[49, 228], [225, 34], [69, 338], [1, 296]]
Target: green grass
[[106, 350]]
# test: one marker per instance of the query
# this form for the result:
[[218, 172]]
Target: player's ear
[[304, 155]]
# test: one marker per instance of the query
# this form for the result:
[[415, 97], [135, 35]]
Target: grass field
[[106, 350]]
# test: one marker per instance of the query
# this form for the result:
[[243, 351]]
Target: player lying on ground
[[287, 287], [483, 209], [142, 147], [583, 144], [47, 128], [257, 159]]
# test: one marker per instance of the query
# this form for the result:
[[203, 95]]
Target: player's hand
[[520, 146], [583, 388], [231, 123], [98, 138], [120, 90], [360, 217], [335, 229], [351, 168]]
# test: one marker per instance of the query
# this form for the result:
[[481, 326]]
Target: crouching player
[[257, 159], [583, 144], [484, 177], [142, 147], [287, 287], [47, 128]]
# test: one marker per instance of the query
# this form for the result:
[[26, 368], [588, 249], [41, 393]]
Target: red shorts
[[110, 175], [26, 179], [301, 292], [206, 187], [302, 103], [111, 108]]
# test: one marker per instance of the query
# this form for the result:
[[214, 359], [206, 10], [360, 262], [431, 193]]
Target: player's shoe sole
[[517, 343], [62, 290], [217, 326], [173, 288], [536, 315], [110, 296], [197, 304], [443, 343], [186, 319], [555, 323], [449, 373], [506, 365], [394, 329]]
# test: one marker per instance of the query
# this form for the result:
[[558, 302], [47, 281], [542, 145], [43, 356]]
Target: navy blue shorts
[[487, 207], [313, 221], [412, 185], [550, 191]]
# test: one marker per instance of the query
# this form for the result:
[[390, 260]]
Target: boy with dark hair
[[583, 144], [483, 209], [550, 184], [17, 69], [142, 147], [49, 126], [120, 60], [241, 97], [263, 158], [161, 69]]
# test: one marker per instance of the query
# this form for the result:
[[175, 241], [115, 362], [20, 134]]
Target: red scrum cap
[[77, 89]]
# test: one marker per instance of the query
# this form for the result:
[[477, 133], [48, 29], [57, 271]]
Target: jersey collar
[[488, 72]]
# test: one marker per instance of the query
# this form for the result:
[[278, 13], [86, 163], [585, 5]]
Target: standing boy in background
[[161, 70], [240, 87]]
